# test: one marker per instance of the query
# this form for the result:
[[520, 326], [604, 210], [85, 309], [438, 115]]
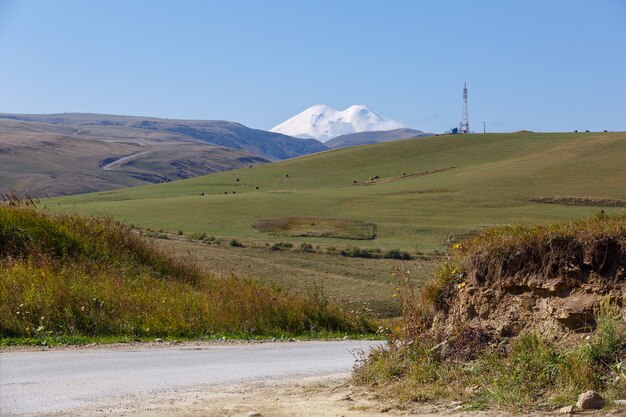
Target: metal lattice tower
[[464, 126]]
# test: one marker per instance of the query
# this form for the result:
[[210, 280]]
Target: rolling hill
[[418, 192], [62, 154], [368, 138]]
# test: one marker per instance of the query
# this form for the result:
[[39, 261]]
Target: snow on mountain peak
[[322, 122]]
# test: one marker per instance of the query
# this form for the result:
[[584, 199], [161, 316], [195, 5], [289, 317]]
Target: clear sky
[[543, 65]]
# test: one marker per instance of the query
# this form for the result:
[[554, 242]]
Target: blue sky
[[538, 65]]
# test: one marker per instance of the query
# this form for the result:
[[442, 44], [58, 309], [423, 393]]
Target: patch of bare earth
[[312, 396]]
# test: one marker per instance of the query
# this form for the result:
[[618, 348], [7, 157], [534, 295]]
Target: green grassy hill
[[428, 188]]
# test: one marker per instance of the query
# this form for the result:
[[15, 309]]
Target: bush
[[236, 244], [306, 247], [356, 252], [397, 254], [281, 245]]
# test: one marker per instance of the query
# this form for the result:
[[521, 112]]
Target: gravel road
[[57, 380]]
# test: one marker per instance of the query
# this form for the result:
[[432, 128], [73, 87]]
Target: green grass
[[357, 284], [452, 184], [72, 276]]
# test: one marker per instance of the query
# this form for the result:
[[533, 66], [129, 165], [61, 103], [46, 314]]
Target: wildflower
[[456, 246]]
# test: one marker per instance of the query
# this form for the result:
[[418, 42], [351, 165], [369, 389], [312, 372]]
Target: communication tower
[[464, 126]]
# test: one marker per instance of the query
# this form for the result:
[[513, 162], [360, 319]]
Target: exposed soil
[[549, 285], [581, 201], [314, 397]]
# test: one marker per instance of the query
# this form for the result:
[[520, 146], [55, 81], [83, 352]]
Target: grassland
[[68, 276], [427, 189], [357, 284]]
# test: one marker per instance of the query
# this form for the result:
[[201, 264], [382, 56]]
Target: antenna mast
[[464, 126]]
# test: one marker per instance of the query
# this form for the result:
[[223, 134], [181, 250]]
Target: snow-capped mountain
[[322, 122]]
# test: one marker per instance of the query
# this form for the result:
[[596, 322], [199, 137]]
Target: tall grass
[[69, 275]]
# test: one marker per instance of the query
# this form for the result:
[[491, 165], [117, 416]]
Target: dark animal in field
[[256, 188], [237, 180], [286, 175], [201, 193], [225, 192], [354, 181]]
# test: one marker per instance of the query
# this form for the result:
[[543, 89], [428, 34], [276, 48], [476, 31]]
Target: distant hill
[[61, 154], [366, 138], [270, 145], [47, 159]]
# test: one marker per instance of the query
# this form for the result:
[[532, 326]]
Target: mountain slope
[[323, 122], [270, 145], [427, 189], [368, 138], [45, 159]]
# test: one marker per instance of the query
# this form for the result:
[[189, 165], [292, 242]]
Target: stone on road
[[57, 380]]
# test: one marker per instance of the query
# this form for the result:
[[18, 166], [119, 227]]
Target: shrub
[[356, 252], [397, 254], [306, 247], [236, 244]]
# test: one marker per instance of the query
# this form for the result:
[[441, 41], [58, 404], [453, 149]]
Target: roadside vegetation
[[448, 349], [72, 276]]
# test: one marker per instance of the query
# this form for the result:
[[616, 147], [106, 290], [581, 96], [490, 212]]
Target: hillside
[[369, 138], [72, 277], [428, 190], [43, 159], [269, 145], [66, 153]]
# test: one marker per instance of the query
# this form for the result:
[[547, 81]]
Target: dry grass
[[317, 227], [355, 283], [68, 275]]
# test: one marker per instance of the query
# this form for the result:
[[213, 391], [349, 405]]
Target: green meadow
[[418, 193]]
